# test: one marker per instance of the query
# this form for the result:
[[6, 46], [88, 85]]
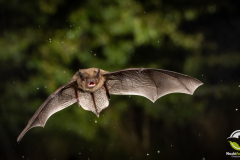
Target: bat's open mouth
[[91, 84]]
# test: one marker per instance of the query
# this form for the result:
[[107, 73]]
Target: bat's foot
[[78, 102], [97, 114]]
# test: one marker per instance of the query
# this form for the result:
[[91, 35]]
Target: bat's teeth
[[92, 84]]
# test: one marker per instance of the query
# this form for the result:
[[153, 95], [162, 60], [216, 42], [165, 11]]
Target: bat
[[91, 89]]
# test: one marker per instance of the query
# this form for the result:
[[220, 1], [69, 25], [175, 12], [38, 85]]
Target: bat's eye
[[91, 84]]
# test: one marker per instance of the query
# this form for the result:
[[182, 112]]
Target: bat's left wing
[[63, 97], [150, 83]]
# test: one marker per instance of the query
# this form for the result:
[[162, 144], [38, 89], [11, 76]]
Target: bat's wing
[[63, 97], [150, 83]]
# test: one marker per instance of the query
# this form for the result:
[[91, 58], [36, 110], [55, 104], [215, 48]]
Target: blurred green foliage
[[43, 43]]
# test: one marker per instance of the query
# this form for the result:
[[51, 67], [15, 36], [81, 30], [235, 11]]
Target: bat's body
[[91, 89]]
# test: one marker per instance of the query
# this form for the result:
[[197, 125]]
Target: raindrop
[[39, 26], [239, 86], [49, 39], [94, 54], [158, 151], [37, 88], [45, 87], [202, 74], [70, 25], [62, 42], [144, 12], [64, 71], [199, 134], [171, 145], [91, 51], [22, 156], [79, 153], [203, 158], [95, 121], [147, 154], [236, 109]]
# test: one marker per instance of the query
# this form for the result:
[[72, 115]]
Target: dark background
[[43, 43]]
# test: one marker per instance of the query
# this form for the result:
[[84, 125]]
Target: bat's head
[[89, 79]]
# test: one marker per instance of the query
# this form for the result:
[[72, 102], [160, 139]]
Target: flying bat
[[91, 89]]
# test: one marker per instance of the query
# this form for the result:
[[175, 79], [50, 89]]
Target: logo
[[234, 141]]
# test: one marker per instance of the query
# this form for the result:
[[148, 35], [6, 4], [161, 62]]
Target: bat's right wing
[[60, 99], [150, 83]]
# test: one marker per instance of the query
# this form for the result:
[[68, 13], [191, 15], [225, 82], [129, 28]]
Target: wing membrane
[[150, 83], [95, 102], [60, 99]]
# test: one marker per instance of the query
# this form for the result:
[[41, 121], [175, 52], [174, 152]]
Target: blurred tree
[[43, 43]]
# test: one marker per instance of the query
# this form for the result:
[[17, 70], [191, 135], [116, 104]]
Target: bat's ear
[[98, 73], [81, 76]]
